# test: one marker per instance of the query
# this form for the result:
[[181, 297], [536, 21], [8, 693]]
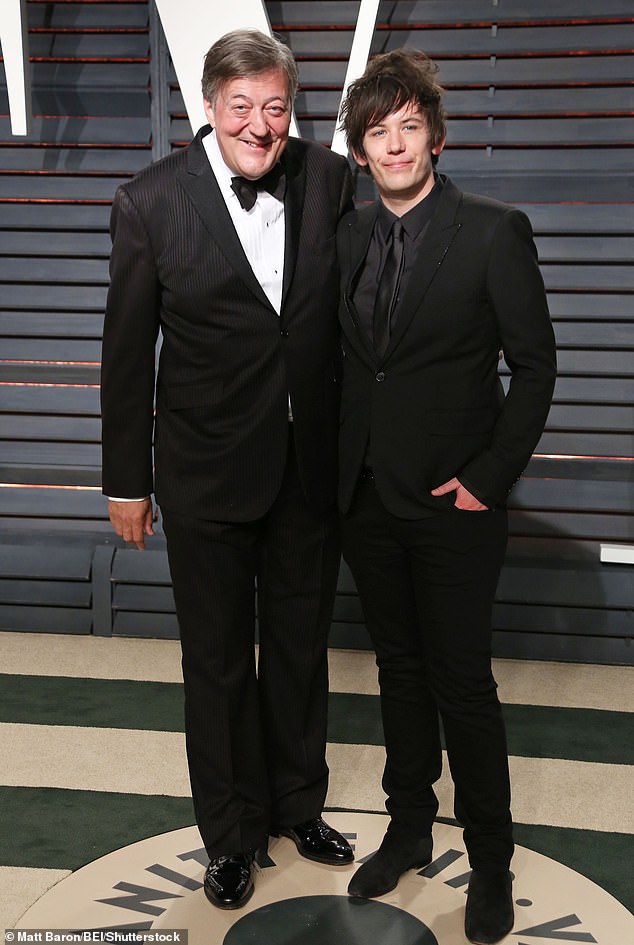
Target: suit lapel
[[199, 181], [359, 234], [440, 235], [295, 171]]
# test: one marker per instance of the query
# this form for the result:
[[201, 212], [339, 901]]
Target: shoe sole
[[491, 941], [377, 895], [230, 905], [384, 892]]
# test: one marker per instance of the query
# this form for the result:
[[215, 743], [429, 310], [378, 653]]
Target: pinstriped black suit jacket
[[227, 361]]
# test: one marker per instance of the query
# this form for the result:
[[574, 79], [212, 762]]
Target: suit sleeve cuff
[[480, 496], [112, 498]]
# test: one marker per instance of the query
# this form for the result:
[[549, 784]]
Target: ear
[[209, 112], [360, 158], [437, 148]]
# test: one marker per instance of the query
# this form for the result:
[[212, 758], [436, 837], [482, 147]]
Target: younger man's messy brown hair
[[390, 81]]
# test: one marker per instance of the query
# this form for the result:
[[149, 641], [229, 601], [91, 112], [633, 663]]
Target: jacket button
[[380, 377], [284, 333]]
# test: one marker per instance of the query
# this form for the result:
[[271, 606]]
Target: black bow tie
[[247, 190]]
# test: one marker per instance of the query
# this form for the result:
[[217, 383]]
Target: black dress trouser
[[255, 737], [427, 587]]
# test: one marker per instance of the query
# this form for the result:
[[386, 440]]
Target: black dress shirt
[[415, 223]]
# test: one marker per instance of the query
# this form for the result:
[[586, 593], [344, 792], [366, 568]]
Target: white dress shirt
[[260, 229]]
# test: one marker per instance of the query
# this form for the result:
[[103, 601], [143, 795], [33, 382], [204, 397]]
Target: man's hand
[[464, 499], [132, 521]]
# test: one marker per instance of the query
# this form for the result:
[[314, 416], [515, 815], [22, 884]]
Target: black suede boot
[[489, 911], [381, 873]]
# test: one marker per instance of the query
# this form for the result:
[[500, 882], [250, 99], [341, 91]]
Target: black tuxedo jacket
[[433, 407], [228, 362]]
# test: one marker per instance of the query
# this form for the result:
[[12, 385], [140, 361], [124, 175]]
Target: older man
[[228, 248]]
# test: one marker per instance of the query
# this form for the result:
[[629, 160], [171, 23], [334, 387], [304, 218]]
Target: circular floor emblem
[[330, 919], [157, 884]]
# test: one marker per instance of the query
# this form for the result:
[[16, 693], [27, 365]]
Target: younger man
[[435, 283]]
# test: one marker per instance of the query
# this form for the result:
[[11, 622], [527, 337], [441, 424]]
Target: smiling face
[[398, 153], [251, 116]]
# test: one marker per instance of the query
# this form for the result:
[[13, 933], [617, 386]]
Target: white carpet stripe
[[520, 682], [94, 759], [49, 654], [573, 794], [568, 685], [545, 791], [20, 887]]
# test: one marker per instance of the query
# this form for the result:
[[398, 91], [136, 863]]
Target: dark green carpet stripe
[[533, 731], [102, 703], [53, 828]]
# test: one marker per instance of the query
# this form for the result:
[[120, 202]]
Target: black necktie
[[247, 190], [387, 291]]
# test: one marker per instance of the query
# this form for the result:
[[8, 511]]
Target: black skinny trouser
[[427, 587]]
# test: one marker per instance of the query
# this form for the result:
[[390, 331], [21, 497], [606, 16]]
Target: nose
[[258, 123], [395, 143]]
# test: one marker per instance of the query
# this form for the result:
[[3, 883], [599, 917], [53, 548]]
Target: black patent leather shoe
[[380, 874], [489, 911], [317, 841], [229, 880]]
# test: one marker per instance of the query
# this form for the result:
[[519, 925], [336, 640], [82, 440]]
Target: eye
[[376, 132], [240, 109], [276, 110]]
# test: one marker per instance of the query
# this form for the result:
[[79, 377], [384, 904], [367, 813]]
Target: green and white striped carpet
[[91, 739]]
